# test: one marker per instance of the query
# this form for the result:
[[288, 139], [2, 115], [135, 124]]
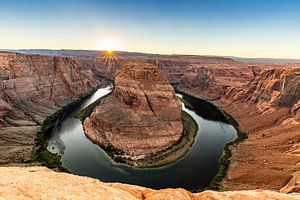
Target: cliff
[[143, 115], [264, 99], [275, 88], [266, 105], [173, 69], [213, 80], [42, 183], [267, 109], [33, 87]]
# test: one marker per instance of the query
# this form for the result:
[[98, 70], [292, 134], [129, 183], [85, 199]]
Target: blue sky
[[253, 28]]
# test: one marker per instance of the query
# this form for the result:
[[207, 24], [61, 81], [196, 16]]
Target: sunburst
[[110, 56]]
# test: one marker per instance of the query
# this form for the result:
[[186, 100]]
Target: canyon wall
[[173, 69], [263, 98], [266, 105], [33, 87], [267, 108], [213, 80]]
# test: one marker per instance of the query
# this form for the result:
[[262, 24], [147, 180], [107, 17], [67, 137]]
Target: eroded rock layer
[[25, 183], [264, 98], [33, 87], [142, 116], [267, 108]]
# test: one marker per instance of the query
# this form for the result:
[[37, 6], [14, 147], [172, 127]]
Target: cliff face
[[25, 183], [268, 109], [33, 87], [142, 116], [276, 87], [266, 105], [213, 80], [173, 69]]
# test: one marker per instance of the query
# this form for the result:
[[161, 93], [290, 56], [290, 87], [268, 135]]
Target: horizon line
[[165, 54]]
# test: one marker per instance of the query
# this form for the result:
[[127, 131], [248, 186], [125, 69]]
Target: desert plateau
[[184, 100]]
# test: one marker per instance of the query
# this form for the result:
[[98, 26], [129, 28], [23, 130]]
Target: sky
[[244, 28]]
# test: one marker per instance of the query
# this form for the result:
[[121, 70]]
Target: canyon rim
[[150, 100]]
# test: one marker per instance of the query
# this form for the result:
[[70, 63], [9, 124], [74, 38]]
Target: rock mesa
[[142, 116]]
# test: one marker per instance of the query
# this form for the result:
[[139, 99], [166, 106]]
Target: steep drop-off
[[267, 108], [264, 102], [213, 80], [33, 87]]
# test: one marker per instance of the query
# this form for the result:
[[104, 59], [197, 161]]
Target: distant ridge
[[126, 54], [266, 60]]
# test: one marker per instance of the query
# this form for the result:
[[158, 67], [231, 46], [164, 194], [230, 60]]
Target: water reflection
[[192, 171]]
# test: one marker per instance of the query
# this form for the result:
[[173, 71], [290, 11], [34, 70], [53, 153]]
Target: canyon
[[263, 98], [266, 106], [33, 88]]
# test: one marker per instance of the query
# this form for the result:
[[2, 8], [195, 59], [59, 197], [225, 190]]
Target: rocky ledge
[[25, 183], [143, 115]]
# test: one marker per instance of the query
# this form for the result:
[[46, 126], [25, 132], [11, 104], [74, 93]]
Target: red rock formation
[[267, 108], [142, 116], [33, 87], [266, 105], [172, 69], [212, 81]]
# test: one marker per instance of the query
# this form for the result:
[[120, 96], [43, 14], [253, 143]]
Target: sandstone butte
[[263, 98], [36, 183], [142, 116]]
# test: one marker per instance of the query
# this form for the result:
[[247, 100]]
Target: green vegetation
[[40, 154], [224, 161], [163, 157], [177, 150], [87, 111], [167, 156], [43, 156]]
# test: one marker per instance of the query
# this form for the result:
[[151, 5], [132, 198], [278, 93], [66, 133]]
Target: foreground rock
[[142, 116], [42, 183]]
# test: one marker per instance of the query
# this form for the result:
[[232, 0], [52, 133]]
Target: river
[[193, 171]]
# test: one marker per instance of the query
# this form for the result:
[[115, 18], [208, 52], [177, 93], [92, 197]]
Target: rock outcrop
[[267, 109], [42, 183], [173, 69], [142, 116], [213, 80], [266, 106], [33, 87], [275, 88]]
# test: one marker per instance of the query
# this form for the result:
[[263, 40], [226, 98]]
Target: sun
[[109, 45]]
